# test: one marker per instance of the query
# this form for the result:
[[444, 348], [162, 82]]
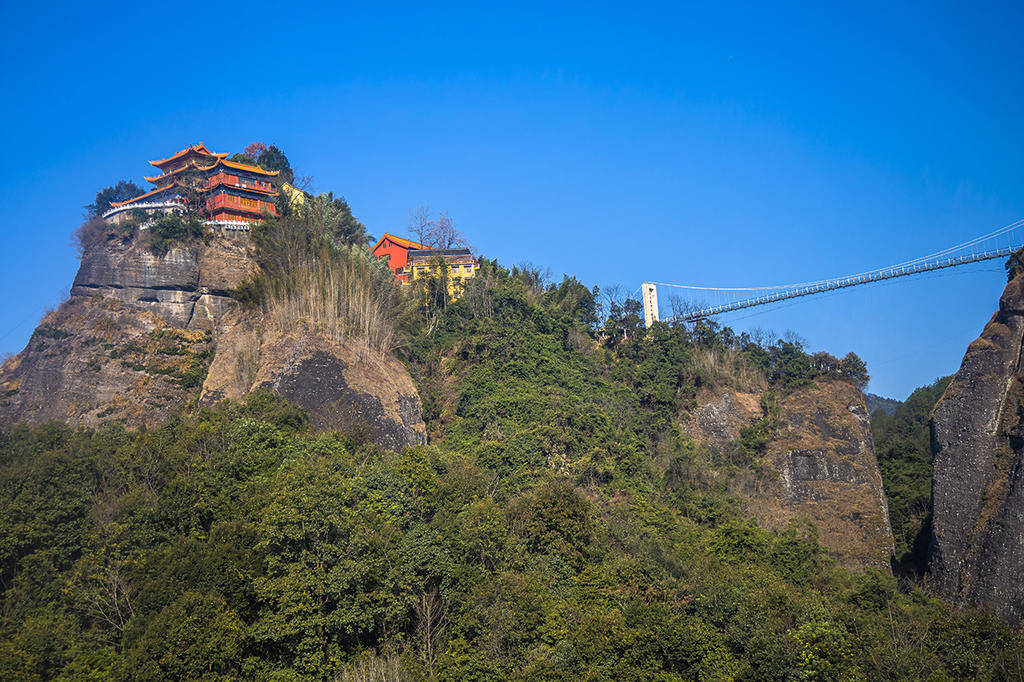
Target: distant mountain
[[877, 402]]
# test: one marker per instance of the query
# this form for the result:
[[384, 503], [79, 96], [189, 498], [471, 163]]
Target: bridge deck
[[844, 282]]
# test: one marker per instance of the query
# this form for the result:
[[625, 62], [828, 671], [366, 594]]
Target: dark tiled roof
[[427, 253]]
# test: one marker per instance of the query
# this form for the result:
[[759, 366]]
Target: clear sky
[[712, 144]]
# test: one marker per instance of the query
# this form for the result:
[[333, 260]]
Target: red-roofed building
[[225, 190], [395, 252]]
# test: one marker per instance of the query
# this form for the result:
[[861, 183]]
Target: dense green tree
[[122, 191], [903, 447], [273, 159], [559, 525]]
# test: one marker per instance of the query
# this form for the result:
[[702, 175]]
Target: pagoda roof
[[218, 162], [406, 243], [117, 204], [199, 149], [268, 192], [247, 167]]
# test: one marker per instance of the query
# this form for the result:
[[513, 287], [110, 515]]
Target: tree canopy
[[122, 191]]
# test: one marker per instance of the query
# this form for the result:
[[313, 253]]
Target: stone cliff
[[187, 287], [977, 550], [820, 466], [341, 386], [142, 336]]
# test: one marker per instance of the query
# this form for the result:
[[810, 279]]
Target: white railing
[[843, 282], [239, 225], [143, 205]]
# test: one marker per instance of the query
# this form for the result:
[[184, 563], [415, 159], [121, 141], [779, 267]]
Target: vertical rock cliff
[[977, 550], [827, 472], [143, 335], [820, 463]]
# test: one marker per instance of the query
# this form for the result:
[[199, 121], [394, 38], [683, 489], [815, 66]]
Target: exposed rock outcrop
[[828, 473], [719, 416], [189, 287], [341, 386], [822, 461], [97, 359], [977, 551], [143, 335]]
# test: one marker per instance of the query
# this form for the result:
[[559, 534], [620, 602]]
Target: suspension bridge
[[698, 302]]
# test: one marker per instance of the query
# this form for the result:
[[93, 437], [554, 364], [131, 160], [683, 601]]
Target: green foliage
[[122, 191], [340, 227], [558, 526], [268, 158], [273, 159], [903, 448], [172, 230], [195, 637], [1014, 264]]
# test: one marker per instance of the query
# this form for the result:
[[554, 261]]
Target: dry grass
[[312, 282], [374, 669], [248, 351], [727, 368], [339, 295]]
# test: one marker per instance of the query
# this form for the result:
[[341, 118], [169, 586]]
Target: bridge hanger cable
[[915, 261], [732, 317]]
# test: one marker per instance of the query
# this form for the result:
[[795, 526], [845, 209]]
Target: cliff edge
[[819, 465], [142, 336], [977, 432]]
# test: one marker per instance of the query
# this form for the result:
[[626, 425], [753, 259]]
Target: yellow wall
[[458, 273]]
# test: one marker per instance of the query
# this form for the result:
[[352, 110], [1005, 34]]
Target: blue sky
[[707, 144]]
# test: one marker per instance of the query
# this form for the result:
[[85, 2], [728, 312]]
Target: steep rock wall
[[188, 286], [142, 334], [822, 464], [977, 429], [98, 359], [342, 386], [828, 473]]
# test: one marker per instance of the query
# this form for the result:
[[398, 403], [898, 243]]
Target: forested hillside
[[905, 460], [559, 525]]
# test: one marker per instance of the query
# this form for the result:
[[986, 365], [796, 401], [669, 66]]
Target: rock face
[[828, 473], [720, 415], [340, 386], [977, 550], [822, 464], [97, 359], [143, 335], [187, 287]]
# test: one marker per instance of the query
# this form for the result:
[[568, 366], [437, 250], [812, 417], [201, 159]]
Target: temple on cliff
[[226, 191]]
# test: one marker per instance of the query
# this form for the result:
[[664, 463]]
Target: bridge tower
[[649, 295]]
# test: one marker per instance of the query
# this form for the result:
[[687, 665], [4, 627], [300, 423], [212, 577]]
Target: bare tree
[[445, 235], [420, 223], [439, 233], [303, 182], [680, 306], [762, 337], [792, 337], [431, 622], [612, 297]]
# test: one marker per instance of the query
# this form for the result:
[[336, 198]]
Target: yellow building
[[296, 197], [454, 265]]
